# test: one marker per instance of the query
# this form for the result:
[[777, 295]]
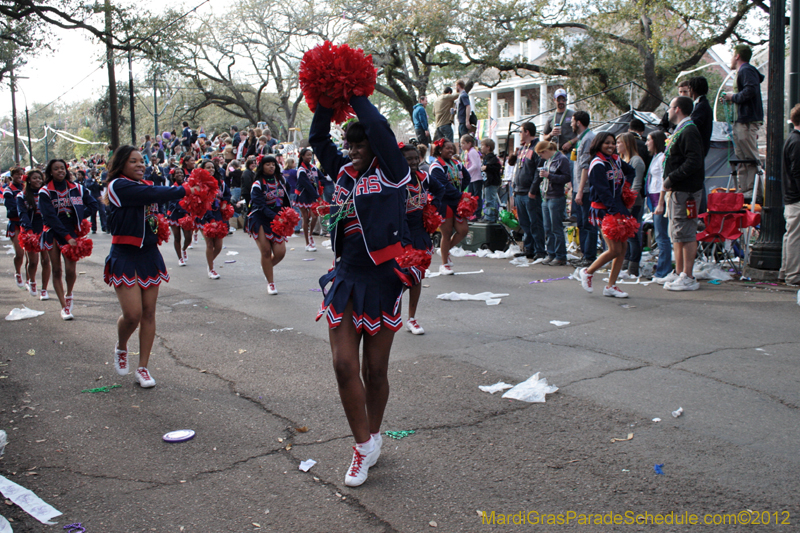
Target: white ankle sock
[[366, 447]]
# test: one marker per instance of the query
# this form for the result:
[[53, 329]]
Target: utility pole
[[28, 124], [14, 117], [112, 80], [130, 91], [46, 142], [766, 253]]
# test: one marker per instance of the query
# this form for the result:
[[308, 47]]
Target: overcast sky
[[75, 57]]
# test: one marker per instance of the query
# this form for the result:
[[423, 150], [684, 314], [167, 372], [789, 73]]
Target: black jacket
[[749, 107], [791, 168], [684, 169], [493, 169], [703, 118]]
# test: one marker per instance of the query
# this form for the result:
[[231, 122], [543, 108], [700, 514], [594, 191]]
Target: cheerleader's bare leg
[[32, 259], [364, 401], [138, 310], [447, 234], [213, 248], [45, 260], [304, 213], [58, 283], [265, 247], [413, 299], [71, 275], [176, 240], [19, 253]]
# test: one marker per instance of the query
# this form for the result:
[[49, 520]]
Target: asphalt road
[[229, 367]]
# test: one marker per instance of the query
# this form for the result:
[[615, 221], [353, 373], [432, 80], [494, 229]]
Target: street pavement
[[249, 372]]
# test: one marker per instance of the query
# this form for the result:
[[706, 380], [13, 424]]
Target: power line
[[104, 61]]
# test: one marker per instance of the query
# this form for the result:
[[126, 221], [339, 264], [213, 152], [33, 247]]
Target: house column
[[543, 103], [517, 111]]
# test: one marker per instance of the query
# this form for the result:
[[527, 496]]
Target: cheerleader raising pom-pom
[[163, 229], [227, 211], [215, 229], [467, 206], [331, 74], [284, 224], [628, 195], [205, 192], [82, 248], [431, 218], [619, 227], [30, 241]]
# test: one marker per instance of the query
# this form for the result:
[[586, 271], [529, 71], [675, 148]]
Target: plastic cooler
[[482, 235]]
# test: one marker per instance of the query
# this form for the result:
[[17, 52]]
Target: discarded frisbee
[[182, 435]]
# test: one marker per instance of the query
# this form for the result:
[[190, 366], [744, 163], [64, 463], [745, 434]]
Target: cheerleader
[[268, 196], [174, 214], [451, 175], [418, 189], [187, 165], [30, 218], [607, 176], [214, 244], [307, 193], [12, 230], [368, 225], [134, 266], [63, 205]]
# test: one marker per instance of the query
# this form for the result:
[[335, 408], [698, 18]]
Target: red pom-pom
[[467, 206], [30, 241], [82, 248], [431, 218], [414, 258], [330, 75], [628, 195], [283, 225], [619, 227], [321, 207], [197, 203], [84, 228], [215, 229], [227, 211], [187, 223], [163, 230]]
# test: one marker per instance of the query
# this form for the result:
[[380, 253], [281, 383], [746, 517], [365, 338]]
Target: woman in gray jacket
[[552, 175]]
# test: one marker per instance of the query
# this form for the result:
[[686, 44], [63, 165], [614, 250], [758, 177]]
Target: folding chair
[[724, 220]]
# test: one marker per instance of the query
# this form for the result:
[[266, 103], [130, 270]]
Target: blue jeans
[[444, 132], [661, 227], [588, 232], [475, 188], [554, 210], [491, 203], [236, 194], [634, 253], [529, 211], [101, 210]]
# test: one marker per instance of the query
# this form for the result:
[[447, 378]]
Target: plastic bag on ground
[[704, 270], [531, 390], [21, 314], [497, 387], [463, 296]]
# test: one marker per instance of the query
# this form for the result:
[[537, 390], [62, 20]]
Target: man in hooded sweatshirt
[[749, 115]]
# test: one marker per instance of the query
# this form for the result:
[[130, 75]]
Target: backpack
[[194, 137], [473, 119]]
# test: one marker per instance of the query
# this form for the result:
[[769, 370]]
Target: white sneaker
[[446, 270], [43, 295], [414, 327], [669, 278], [614, 292], [683, 283], [181, 262], [624, 275], [70, 300], [213, 274], [378, 440], [185, 255], [271, 288], [32, 289], [66, 314], [586, 280], [190, 247], [195, 238], [144, 378], [18, 279], [359, 466], [311, 248], [120, 360]]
